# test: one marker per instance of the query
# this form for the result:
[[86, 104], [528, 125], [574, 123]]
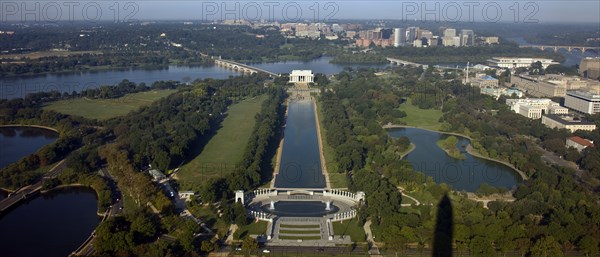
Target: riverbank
[[321, 155], [411, 148], [469, 148], [75, 186], [30, 126]]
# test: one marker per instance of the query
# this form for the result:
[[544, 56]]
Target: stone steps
[[297, 231]]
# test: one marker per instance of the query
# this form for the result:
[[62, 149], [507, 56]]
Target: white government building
[[533, 108], [516, 62], [302, 76]]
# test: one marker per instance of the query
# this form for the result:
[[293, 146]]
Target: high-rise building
[[411, 34], [374, 34], [386, 33], [433, 41], [399, 35], [449, 32], [467, 37], [423, 33]]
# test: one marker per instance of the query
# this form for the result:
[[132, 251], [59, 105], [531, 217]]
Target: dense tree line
[[139, 233], [475, 54], [255, 167], [553, 212], [505, 135], [73, 133], [82, 62], [158, 42], [161, 134]]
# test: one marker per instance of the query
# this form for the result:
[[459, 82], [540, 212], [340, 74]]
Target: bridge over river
[[568, 48], [242, 67], [28, 191]]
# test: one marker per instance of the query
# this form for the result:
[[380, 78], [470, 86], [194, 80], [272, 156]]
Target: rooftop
[[488, 77], [301, 72], [584, 94], [582, 141], [568, 120]]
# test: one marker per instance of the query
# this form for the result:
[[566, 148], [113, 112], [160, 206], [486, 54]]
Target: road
[[117, 207], [25, 192], [303, 250]]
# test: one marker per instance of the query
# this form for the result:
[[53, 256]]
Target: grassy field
[[298, 226], [209, 216], [350, 228], [299, 231], [254, 228], [422, 118], [336, 179], [225, 149], [40, 54], [300, 237], [103, 109]]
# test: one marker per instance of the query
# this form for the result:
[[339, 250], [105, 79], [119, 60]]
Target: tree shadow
[[444, 226]]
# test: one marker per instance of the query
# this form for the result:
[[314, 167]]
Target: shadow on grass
[[444, 225]]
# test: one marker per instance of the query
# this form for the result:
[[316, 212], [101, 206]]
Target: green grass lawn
[[298, 226], [299, 231], [254, 228], [336, 179], [225, 149], [350, 228], [300, 237], [422, 118], [103, 109]]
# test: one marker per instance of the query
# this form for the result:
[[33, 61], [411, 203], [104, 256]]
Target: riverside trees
[[553, 211]]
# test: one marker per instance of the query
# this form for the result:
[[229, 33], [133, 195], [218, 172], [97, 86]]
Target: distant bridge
[[406, 63], [568, 48], [242, 67], [31, 190]]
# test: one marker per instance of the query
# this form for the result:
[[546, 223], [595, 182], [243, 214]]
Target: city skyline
[[581, 11]]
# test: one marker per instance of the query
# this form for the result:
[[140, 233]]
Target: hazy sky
[[547, 11]]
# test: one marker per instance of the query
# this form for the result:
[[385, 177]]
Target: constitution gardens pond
[[467, 173]]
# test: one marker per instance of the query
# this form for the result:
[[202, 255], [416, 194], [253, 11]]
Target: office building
[[534, 108], [538, 87], [567, 122], [590, 67], [582, 101], [449, 32], [467, 37], [411, 34], [483, 80], [399, 35], [517, 62]]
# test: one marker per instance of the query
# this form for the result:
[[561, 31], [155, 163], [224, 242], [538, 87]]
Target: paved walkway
[[232, 230], [374, 249], [321, 151], [401, 189]]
